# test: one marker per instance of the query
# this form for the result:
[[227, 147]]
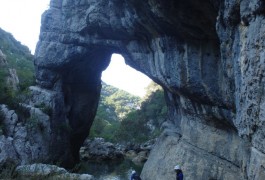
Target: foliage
[[119, 101], [33, 123], [154, 105], [113, 106], [103, 128], [133, 125], [133, 129], [19, 58], [44, 108]]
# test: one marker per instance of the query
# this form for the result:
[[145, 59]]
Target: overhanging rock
[[208, 56]]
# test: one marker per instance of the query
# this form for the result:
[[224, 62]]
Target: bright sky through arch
[[120, 75], [22, 18]]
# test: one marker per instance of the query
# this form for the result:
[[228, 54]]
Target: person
[[179, 173], [135, 176]]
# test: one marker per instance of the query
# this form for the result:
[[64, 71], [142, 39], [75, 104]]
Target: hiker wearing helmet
[[179, 174], [135, 176]]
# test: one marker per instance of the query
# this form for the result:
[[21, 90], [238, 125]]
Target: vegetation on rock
[[18, 57]]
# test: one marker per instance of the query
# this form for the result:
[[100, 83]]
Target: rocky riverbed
[[98, 149], [106, 160]]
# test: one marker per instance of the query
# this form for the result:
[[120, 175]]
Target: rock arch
[[191, 48]]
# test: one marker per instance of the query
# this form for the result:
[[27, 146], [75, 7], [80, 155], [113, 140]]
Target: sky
[[22, 18], [120, 75]]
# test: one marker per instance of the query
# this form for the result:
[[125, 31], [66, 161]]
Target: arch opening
[[130, 112], [127, 95]]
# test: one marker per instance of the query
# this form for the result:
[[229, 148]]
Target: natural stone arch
[[192, 48], [76, 41]]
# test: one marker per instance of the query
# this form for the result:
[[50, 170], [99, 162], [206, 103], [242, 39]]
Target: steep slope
[[16, 67], [144, 123], [18, 57], [140, 122], [114, 105], [119, 101], [208, 56], [24, 128]]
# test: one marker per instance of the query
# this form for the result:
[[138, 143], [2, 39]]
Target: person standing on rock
[[179, 174], [135, 176]]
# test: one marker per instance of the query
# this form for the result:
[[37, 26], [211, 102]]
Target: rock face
[[12, 79], [2, 59], [208, 56], [25, 139]]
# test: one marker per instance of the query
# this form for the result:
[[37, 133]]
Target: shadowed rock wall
[[208, 56]]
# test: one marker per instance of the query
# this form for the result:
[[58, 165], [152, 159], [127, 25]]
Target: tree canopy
[[123, 117]]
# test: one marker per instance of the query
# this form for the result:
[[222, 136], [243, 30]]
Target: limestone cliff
[[208, 56]]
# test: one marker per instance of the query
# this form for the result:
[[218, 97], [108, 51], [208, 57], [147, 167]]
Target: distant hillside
[[122, 117], [117, 101], [114, 105], [16, 67], [145, 123]]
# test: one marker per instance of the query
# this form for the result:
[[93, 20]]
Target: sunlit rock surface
[[208, 56]]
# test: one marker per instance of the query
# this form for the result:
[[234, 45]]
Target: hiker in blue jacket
[[135, 176], [179, 174]]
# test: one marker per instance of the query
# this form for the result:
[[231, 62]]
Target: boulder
[[141, 157], [98, 150], [130, 154], [49, 172]]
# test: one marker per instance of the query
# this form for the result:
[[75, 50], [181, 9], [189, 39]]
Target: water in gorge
[[110, 170]]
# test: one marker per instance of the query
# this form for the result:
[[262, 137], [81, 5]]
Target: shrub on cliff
[[18, 57]]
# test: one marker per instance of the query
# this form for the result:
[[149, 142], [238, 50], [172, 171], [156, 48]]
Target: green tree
[[123, 117], [134, 126]]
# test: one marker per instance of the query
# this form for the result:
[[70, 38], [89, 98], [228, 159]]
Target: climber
[[135, 176], [179, 174]]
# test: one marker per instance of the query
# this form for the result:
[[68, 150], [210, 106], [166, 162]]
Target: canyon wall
[[207, 55]]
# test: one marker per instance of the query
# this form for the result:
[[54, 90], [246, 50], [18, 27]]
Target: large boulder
[[49, 172], [98, 150]]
